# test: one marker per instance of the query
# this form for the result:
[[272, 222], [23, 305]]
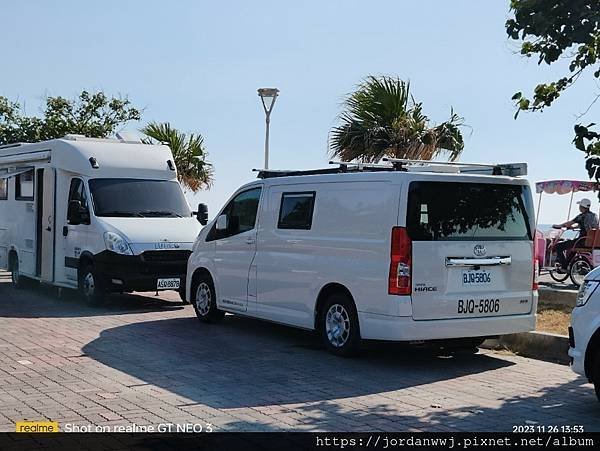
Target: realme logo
[[36, 426]]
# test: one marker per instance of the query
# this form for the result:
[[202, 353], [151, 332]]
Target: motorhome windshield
[[451, 211], [138, 198]]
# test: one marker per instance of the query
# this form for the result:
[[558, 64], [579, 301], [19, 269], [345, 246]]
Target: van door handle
[[250, 241], [65, 231], [468, 262]]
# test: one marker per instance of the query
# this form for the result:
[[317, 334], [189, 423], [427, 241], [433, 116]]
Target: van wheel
[[338, 325], [18, 281], [204, 301], [90, 287]]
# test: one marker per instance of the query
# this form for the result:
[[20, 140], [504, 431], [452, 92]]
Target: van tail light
[[536, 274], [400, 278]]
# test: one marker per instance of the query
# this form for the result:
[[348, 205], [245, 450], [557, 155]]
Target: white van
[[408, 251], [99, 215]]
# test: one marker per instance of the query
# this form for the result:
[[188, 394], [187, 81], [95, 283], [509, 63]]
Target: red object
[[400, 277]]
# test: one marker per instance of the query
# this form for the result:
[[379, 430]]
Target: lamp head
[[268, 96]]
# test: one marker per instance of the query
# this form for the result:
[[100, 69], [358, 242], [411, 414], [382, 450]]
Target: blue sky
[[198, 64]]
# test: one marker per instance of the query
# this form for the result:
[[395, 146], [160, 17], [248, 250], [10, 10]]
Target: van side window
[[296, 210], [241, 215], [77, 193], [3, 185], [24, 186]]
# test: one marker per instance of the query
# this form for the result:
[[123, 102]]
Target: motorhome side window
[[241, 215], [77, 194], [3, 185], [24, 186], [296, 210]]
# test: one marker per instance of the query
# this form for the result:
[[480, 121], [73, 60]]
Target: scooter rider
[[586, 220]]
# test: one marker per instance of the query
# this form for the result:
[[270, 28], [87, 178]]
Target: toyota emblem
[[479, 250]]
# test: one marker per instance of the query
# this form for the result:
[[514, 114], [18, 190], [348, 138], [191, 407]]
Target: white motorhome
[[407, 251], [98, 215]]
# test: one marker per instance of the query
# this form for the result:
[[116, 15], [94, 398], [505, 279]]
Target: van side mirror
[[202, 214], [74, 216], [222, 223]]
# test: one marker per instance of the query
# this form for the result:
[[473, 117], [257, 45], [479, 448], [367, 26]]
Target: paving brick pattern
[[147, 360]]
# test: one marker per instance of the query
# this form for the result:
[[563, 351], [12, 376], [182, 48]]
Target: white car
[[584, 333], [405, 252]]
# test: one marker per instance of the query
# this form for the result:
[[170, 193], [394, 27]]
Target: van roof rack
[[342, 167], [402, 165], [508, 169]]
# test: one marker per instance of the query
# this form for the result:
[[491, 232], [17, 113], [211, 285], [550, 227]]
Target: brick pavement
[[147, 360]]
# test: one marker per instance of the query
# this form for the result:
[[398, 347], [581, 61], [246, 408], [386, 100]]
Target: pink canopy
[[564, 186]]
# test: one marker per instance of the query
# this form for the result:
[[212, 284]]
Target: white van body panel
[[280, 276], [342, 243], [61, 245]]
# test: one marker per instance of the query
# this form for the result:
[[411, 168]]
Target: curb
[[536, 345]]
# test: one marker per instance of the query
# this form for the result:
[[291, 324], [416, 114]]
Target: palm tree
[[193, 171], [382, 119]]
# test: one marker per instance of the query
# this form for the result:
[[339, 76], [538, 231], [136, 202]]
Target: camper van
[[404, 251], [98, 215]]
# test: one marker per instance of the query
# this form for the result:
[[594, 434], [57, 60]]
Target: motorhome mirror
[[222, 223], [74, 215], [202, 214]]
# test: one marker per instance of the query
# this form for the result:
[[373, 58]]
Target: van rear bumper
[[395, 328]]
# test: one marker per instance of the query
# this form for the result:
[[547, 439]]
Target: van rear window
[[451, 211]]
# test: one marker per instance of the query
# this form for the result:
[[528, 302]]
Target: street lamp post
[[268, 97]]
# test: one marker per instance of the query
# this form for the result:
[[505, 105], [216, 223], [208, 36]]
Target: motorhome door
[[45, 181]]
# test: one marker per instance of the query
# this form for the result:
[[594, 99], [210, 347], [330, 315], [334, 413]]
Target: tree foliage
[[90, 114], [554, 30], [96, 115], [193, 169], [382, 119]]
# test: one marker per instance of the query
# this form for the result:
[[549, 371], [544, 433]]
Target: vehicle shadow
[[41, 301], [247, 363], [243, 363]]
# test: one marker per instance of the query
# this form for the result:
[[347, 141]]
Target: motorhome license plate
[[168, 284], [477, 277]]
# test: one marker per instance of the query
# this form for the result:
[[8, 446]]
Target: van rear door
[[472, 249]]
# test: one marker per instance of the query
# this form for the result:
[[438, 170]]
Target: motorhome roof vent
[[128, 137], [94, 163], [171, 165]]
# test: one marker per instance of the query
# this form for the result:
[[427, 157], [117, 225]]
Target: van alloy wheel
[[91, 288], [337, 325], [203, 298]]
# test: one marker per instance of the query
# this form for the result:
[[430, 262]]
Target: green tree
[[556, 30], [382, 119], [90, 114], [193, 170]]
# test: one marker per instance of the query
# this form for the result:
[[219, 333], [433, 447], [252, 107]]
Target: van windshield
[[451, 211], [138, 198]]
